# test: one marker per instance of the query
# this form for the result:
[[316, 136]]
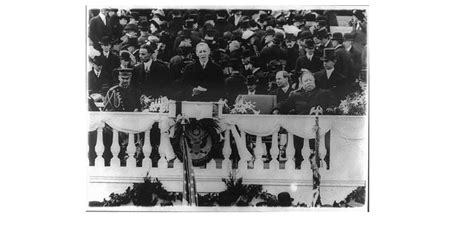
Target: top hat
[[131, 42], [310, 17], [329, 54], [338, 37]]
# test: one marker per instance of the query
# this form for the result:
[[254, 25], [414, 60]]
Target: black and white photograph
[[227, 108]]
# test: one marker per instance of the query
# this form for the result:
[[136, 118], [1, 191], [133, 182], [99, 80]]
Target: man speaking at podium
[[204, 80]]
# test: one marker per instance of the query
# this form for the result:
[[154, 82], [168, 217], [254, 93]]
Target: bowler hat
[[338, 37], [329, 54], [348, 36], [143, 25], [132, 27], [310, 17], [306, 34], [105, 41], [251, 80], [124, 55], [309, 44], [290, 37], [97, 60], [284, 199], [279, 37], [131, 42]]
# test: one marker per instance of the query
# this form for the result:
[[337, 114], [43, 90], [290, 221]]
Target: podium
[[197, 110]]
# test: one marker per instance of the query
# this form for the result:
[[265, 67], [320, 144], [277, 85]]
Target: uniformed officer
[[123, 97]]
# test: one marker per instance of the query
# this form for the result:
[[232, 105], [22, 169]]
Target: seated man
[[282, 81], [98, 80], [123, 97], [307, 98]]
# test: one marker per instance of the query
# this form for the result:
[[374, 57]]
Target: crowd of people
[[209, 55]]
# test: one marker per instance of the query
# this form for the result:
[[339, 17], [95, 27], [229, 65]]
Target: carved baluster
[[99, 148], [226, 151], [115, 149], [131, 148], [242, 148], [305, 152], [146, 163], [290, 153], [211, 164], [165, 148], [258, 154], [274, 151], [322, 150]]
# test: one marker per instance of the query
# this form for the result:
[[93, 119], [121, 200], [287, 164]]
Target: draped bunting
[[128, 122], [349, 127]]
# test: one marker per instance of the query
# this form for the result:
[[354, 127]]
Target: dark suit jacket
[[313, 66], [97, 29], [155, 82], [234, 85], [336, 83], [222, 26], [111, 62], [291, 57], [356, 58], [99, 84], [281, 95], [211, 78], [301, 102], [344, 63]]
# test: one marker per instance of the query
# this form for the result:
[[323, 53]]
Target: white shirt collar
[[106, 54], [102, 16], [97, 73], [329, 72], [285, 89], [310, 57], [148, 64], [251, 93], [349, 48], [203, 64]]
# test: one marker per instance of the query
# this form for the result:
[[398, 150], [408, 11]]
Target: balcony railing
[[261, 164]]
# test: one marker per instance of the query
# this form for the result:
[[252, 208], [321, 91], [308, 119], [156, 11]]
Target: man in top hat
[[251, 83], [99, 82], [204, 80], [344, 63], [111, 61], [221, 23], [99, 27], [122, 97], [151, 77], [125, 62], [328, 78], [283, 90], [292, 52], [176, 23], [356, 56], [309, 60]]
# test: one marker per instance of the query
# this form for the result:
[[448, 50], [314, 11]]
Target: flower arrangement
[[241, 107], [160, 105], [355, 103]]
